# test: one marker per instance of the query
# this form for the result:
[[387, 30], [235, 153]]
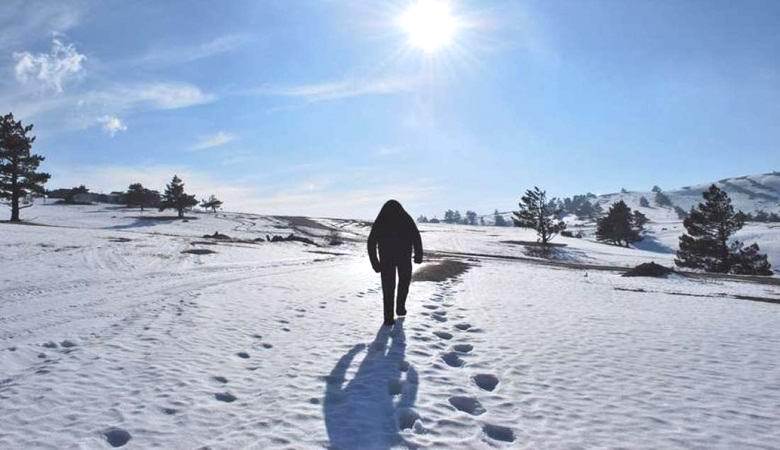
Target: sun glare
[[429, 25]]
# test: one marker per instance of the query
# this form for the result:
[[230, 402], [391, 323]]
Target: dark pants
[[389, 266]]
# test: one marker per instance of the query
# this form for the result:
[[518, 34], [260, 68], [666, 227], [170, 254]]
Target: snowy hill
[[748, 193], [122, 328]]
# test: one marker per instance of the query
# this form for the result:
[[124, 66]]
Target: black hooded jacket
[[396, 234]]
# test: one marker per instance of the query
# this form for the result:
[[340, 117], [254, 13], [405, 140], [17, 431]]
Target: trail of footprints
[[436, 309]]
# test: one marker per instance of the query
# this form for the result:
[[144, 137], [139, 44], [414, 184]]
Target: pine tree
[[19, 177], [747, 261], [135, 195], [705, 245], [643, 202], [471, 218], [213, 203], [451, 216], [498, 219], [640, 220], [70, 195], [422, 219], [619, 225], [538, 213], [175, 197], [662, 199]]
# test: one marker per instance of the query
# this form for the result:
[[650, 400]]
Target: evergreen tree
[[19, 177], [70, 195], [587, 210], [471, 218], [656, 188], [537, 213], [451, 216], [681, 213], [619, 225], [422, 219], [662, 199], [213, 203], [747, 261], [175, 197], [705, 245], [135, 195], [482, 221], [640, 220], [498, 219], [643, 202]]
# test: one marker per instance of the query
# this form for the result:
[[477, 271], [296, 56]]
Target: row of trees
[[707, 243], [174, 198], [20, 179], [470, 218]]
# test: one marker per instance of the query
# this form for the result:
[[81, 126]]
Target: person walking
[[396, 236]]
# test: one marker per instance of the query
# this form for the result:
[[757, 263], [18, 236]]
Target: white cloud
[[51, 70], [214, 140], [112, 125], [158, 95], [335, 90]]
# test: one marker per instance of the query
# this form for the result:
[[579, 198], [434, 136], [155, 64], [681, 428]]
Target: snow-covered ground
[[107, 328]]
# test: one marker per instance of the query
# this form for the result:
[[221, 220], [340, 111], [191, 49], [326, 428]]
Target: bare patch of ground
[[441, 270]]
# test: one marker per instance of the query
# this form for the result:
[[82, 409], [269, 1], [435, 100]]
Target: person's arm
[[372, 251], [417, 244]]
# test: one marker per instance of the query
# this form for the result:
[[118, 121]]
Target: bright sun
[[429, 24]]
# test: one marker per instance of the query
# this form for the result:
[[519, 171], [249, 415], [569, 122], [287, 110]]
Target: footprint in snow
[[463, 326], [486, 381], [267, 345], [220, 379], [226, 397], [499, 432], [467, 404], [443, 334], [243, 355], [116, 437], [463, 348], [439, 318], [452, 359]]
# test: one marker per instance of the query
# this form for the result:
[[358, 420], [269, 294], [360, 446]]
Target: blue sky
[[324, 107]]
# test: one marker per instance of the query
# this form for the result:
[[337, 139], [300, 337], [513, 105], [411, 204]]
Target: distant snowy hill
[[748, 193]]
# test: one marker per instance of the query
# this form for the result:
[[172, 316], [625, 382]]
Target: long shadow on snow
[[369, 411]]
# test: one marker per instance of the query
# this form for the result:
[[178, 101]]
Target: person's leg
[[388, 290], [404, 279]]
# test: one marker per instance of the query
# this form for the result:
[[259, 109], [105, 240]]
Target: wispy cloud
[[159, 95], [50, 70], [334, 90], [112, 125], [215, 140], [23, 20], [189, 53]]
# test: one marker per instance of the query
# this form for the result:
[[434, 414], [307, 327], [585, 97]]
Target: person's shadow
[[371, 409]]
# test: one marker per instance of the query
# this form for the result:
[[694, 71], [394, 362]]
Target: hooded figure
[[396, 234]]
